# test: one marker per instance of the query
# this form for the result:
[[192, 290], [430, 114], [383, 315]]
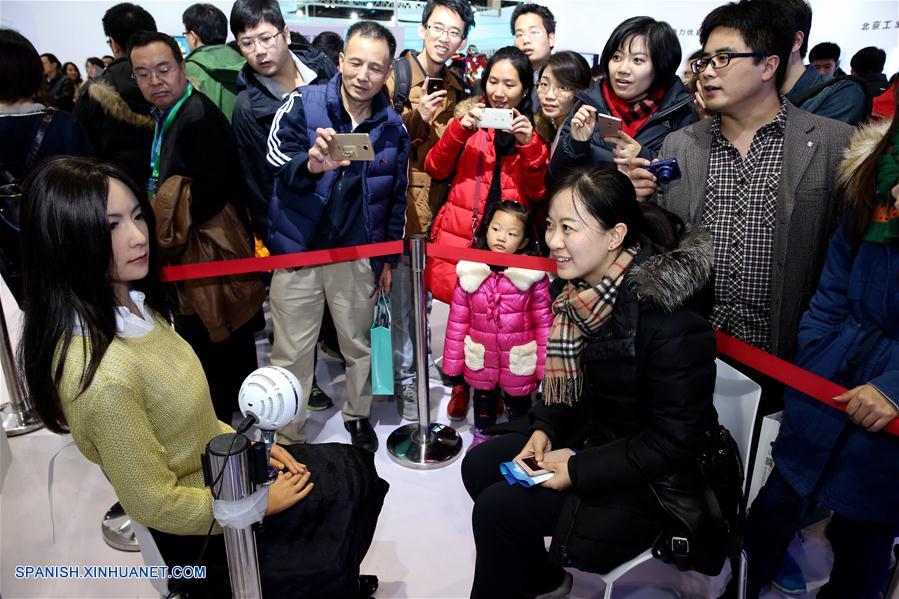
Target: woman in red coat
[[490, 165]]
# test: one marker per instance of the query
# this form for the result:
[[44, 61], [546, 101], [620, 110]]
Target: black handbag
[[11, 178], [704, 507]]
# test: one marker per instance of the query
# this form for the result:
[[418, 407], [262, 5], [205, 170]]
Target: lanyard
[[158, 134]]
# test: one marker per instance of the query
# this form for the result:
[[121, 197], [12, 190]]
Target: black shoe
[[368, 584], [318, 399], [362, 434]]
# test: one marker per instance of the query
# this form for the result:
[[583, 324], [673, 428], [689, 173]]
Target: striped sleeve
[[287, 146]]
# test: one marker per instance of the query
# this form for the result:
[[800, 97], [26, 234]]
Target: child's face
[[505, 234]]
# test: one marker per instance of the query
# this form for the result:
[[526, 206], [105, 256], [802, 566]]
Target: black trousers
[[510, 523], [861, 550], [226, 363]]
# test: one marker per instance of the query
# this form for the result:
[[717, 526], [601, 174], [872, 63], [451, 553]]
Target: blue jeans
[[861, 550]]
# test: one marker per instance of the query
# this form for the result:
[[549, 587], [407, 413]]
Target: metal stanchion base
[[442, 446], [19, 423]]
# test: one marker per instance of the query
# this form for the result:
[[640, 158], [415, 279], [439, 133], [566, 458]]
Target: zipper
[[565, 560]]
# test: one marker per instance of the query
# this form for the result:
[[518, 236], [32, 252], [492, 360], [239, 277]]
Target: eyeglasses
[[719, 61], [266, 40], [532, 35], [160, 72], [544, 87], [438, 31]]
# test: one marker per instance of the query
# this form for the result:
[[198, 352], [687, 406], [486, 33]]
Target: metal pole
[[422, 445], [18, 415], [236, 483]]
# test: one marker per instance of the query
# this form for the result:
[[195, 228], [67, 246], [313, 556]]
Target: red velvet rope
[[780, 370]]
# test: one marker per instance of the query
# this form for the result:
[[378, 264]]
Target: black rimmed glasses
[[719, 61]]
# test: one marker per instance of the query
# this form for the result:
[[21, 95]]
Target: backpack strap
[[39, 138], [402, 83]]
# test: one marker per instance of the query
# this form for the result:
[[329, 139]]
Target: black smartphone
[[532, 463], [435, 84]]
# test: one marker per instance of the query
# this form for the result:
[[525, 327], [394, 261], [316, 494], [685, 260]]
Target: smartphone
[[496, 118], [531, 467], [435, 84], [351, 146], [607, 126]]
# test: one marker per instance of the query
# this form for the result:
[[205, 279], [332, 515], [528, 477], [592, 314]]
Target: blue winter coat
[[849, 335], [299, 198]]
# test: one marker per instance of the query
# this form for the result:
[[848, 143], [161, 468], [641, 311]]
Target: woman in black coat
[[629, 382]]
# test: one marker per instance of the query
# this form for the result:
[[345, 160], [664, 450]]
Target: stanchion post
[[422, 445], [233, 455], [18, 415]]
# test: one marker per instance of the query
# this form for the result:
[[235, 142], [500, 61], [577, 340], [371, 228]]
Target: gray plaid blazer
[[813, 150]]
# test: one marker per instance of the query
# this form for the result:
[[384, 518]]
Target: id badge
[[152, 186]]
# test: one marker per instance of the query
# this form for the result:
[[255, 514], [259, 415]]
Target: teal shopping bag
[[381, 348]]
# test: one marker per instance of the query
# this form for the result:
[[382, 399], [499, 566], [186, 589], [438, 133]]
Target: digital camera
[[665, 171]]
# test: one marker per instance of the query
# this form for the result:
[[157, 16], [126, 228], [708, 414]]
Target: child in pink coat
[[499, 321]]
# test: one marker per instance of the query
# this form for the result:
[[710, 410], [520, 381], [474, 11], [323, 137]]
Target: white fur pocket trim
[[523, 359], [474, 354]]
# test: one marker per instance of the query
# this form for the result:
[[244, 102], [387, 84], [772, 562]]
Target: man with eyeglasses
[[759, 174], [274, 69], [192, 138], [320, 202], [112, 110], [534, 28], [444, 28]]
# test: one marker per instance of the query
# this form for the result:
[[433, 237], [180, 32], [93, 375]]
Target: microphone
[[269, 398]]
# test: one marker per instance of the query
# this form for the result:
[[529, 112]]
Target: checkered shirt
[[740, 211]]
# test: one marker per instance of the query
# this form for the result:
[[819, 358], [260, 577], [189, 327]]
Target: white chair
[[736, 399]]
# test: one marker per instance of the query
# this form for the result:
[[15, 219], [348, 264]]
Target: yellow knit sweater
[[145, 419]]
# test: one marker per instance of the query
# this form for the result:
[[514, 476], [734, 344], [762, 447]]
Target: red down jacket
[[522, 180], [497, 329]]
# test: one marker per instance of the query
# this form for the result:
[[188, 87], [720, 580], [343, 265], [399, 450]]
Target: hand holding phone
[[320, 157], [530, 466], [496, 118], [431, 99], [435, 84]]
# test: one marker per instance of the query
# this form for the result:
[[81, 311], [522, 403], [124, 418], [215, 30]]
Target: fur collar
[[115, 106], [861, 145], [473, 274], [670, 279], [542, 125]]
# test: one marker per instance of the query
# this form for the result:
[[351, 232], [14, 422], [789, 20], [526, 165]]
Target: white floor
[[422, 547]]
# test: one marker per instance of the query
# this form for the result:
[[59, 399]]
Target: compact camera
[[665, 171]]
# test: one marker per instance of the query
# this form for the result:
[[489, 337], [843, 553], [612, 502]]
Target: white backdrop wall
[[71, 29]]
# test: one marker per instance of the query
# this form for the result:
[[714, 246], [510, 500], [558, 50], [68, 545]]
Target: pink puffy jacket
[[498, 326]]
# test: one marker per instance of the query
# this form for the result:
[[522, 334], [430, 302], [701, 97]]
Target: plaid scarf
[[580, 312], [633, 115]]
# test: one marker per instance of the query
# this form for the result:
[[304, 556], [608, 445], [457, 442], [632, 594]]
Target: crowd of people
[[777, 223]]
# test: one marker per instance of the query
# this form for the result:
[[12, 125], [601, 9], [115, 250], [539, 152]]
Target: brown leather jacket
[[222, 303]]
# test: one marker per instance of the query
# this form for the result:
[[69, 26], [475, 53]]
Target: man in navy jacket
[[320, 202]]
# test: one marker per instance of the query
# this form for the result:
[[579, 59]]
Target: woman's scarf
[[884, 226], [580, 312], [633, 115]]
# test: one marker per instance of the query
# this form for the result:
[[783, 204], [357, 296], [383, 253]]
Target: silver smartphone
[[496, 118], [607, 126]]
